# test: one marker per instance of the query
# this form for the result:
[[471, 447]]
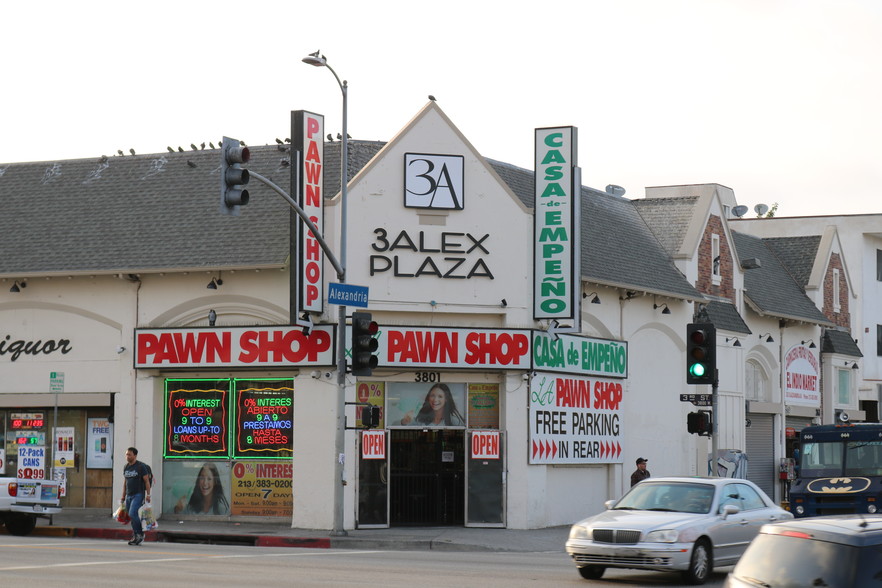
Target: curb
[[160, 536]]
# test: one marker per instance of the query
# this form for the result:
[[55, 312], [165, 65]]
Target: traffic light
[[701, 353], [363, 344], [370, 417], [700, 423], [233, 176]]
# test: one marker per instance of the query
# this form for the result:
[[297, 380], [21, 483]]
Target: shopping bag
[[121, 515], [148, 521]]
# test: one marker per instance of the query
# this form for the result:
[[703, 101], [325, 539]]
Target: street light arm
[[303, 216]]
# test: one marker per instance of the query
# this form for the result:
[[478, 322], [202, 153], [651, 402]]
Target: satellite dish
[[615, 190], [761, 209], [739, 210]]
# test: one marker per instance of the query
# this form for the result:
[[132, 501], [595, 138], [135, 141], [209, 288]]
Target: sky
[[777, 99]]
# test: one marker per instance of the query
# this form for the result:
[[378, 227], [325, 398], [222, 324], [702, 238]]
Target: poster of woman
[[196, 488], [431, 405]]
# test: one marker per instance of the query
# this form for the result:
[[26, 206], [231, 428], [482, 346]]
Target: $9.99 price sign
[[264, 418], [197, 419]]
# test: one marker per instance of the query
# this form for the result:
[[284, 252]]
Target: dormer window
[[716, 275]]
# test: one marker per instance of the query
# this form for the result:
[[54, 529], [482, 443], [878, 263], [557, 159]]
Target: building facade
[[137, 314]]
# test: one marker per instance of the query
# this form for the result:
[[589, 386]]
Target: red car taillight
[[13, 489]]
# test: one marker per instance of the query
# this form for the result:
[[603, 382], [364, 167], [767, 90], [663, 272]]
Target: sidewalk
[[96, 523]]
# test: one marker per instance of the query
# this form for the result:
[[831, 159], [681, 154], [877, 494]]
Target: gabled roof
[[669, 219], [770, 290], [797, 254]]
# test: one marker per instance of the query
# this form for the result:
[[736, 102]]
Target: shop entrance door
[[427, 477]]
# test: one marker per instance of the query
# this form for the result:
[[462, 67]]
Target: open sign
[[485, 445], [373, 445]]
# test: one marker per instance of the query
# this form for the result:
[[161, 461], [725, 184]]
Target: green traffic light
[[697, 370]]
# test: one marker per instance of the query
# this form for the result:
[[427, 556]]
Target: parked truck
[[839, 470], [23, 500]]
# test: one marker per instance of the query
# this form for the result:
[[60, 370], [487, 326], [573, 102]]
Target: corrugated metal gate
[[760, 447]]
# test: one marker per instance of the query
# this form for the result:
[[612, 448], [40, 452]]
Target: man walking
[[135, 488], [641, 473]]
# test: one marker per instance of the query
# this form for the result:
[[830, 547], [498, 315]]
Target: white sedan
[[686, 524]]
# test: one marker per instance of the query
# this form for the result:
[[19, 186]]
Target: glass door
[[485, 479]]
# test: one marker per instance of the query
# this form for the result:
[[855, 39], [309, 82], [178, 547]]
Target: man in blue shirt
[[135, 488]]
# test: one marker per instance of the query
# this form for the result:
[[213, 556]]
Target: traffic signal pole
[[715, 403]]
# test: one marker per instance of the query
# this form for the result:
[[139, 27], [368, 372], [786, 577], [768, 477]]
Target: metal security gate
[[427, 477], [760, 448]]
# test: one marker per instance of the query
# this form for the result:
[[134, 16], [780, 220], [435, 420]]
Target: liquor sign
[[234, 347], [308, 135], [575, 419], [556, 230]]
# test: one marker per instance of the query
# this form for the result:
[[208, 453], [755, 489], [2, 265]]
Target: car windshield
[[793, 562], [821, 459], [863, 458], [668, 496]]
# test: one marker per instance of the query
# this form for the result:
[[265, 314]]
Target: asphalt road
[[39, 562]]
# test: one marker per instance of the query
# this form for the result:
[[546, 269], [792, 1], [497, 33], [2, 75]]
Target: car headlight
[[800, 509], [579, 532], [871, 509], [662, 536]]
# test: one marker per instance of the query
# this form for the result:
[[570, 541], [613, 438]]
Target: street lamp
[[340, 439]]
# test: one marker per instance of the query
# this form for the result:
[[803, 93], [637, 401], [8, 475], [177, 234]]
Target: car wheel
[[592, 572], [20, 524], [700, 564]]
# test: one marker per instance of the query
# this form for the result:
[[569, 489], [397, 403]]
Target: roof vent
[[751, 263]]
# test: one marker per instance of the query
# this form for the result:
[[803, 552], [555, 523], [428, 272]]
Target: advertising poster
[[99, 444], [31, 462], [2, 461], [60, 476], [425, 404], [262, 489], [575, 419], [373, 393], [195, 487], [484, 406], [64, 447]]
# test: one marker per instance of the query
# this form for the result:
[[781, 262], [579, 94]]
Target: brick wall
[[704, 284]]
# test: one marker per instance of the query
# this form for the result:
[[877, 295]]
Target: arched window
[[756, 382]]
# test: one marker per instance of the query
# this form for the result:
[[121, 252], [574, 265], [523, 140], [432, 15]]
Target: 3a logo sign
[[433, 181]]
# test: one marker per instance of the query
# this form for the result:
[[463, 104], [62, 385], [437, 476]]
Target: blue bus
[[839, 470]]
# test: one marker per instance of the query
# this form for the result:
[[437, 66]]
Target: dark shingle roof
[[797, 254], [148, 213], [618, 248], [770, 289], [725, 316], [668, 219], [839, 342]]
